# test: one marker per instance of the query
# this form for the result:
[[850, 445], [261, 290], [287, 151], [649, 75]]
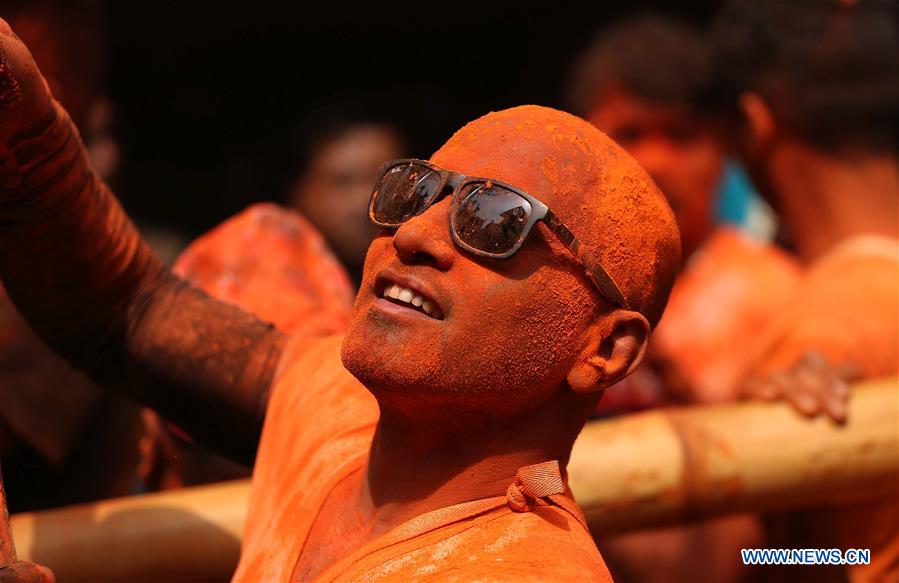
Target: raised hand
[[78, 271], [22, 572], [25, 101]]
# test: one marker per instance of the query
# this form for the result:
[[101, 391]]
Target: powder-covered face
[[502, 335]]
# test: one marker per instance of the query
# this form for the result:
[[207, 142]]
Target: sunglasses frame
[[539, 212]]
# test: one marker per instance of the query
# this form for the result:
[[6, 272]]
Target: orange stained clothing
[[272, 263], [318, 431], [847, 308], [729, 291]]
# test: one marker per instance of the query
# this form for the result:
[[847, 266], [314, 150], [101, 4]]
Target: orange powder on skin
[[494, 341], [591, 183], [514, 327]]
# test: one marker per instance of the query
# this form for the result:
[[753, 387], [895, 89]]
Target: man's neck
[[826, 199], [416, 467]]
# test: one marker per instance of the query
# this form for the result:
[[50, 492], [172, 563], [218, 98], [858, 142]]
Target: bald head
[[595, 187], [527, 331]]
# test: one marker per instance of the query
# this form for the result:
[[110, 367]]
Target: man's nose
[[425, 239]]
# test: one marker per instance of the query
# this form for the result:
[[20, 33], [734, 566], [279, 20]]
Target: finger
[[812, 379], [815, 384], [836, 401], [812, 359], [801, 394], [805, 403], [26, 573], [848, 371], [823, 384], [816, 361], [762, 389], [840, 388]]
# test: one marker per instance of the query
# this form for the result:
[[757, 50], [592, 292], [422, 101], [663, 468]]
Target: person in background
[[646, 83], [811, 91], [339, 151]]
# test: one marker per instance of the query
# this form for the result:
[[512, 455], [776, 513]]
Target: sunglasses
[[488, 218]]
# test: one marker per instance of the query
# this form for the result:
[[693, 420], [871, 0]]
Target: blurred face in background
[[333, 193], [677, 147]]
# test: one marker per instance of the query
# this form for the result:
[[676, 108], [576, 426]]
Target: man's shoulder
[[547, 535], [546, 544], [728, 245], [739, 280], [843, 308], [868, 255], [311, 374], [861, 273], [315, 394]]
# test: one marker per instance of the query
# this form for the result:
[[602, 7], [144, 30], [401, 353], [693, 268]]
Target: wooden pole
[[649, 469], [676, 465], [192, 534]]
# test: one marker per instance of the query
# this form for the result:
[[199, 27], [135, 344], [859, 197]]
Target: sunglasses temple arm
[[600, 277]]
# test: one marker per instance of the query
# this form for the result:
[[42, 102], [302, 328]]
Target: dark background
[[208, 95]]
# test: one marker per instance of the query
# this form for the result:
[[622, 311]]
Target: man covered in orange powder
[[431, 441], [812, 89]]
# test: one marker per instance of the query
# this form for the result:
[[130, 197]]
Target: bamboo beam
[[643, 470], [192, 534], [676, 465]]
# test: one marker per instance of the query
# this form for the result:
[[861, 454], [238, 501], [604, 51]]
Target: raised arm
[[77, 269]]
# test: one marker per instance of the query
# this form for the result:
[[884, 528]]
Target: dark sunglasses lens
[[490, 218], [403, 192]]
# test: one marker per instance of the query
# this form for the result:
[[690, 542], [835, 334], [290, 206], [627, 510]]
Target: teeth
[[408, 296]]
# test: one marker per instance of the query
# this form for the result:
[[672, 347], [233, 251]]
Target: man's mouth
[[409, 298]]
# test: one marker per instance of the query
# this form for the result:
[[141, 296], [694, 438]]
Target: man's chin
[[392, 359], [381, 322]]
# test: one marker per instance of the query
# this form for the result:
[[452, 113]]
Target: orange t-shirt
[[729, 290], [847, 308], [318, 431]]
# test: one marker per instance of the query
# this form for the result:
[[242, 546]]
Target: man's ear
[[616, 345], [760, 126]]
